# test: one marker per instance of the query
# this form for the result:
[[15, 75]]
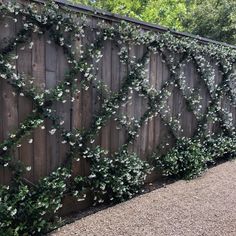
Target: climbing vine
[[28, 209]]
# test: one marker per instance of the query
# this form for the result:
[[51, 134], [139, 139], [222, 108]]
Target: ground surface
[[204, 206]]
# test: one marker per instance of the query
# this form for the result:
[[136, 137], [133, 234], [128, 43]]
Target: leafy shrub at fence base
[[189, 158], [117, 179], [186, 160], [26, 210]]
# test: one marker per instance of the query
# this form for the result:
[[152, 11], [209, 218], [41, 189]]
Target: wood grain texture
[[51, 81], [38, 72], [122, 109], [2, 23], [166, 137], [158, 84], [9, 113], [151, 122], [233, 107], [106, 78], [24, 67], [144, 130], [134, 101], [96, 101], [87, 102], [76, 115], [115, 86], [64, 107]]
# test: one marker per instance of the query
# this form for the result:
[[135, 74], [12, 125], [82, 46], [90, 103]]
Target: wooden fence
[[46, 63]]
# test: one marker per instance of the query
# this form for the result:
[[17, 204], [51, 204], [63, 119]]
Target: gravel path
[[204, 206]]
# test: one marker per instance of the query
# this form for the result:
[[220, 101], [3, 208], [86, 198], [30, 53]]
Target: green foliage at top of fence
[[31, 209]]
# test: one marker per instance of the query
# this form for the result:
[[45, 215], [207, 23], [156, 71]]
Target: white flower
[[13, 212], [26, 25], [4, 148], [15, 58], [52, 131], [80, 199], [31, 140], [12, 136], [60, 94], [91, 176]]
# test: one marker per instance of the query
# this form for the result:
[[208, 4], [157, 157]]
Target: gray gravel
[[204, 206]]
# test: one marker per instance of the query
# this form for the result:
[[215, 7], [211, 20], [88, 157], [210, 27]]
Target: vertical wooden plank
[[218, 80], [106, 75], [96, 101], [1, 125], [9, 109], [133, 100], [144, 130], [86, 102], [24, 66], [2, 35], [233, 88], [187, 118], [208, 97], [158, 83], [9, 118], [63, 109], [194, 83], [166, 138], [205, 97], [122, 108], [115, 75], [151, 122], [51, 73], [76, 115], [9, 101], [212, 125], [38, 72], [176, 105], [1, 111]]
